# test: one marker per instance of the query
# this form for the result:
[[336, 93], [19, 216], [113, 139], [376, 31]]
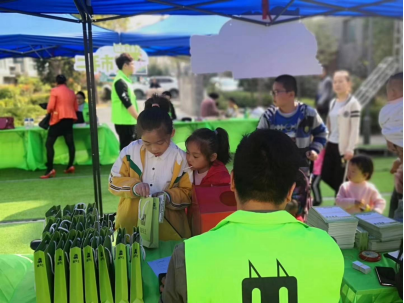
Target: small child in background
[[208, 152], [315, 187], [293, 208], [358, 195]]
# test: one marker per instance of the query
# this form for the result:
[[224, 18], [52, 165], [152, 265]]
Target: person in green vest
[[124, 106], [260, 253]]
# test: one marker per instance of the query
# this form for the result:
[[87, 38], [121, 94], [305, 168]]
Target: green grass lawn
[[23, 196]]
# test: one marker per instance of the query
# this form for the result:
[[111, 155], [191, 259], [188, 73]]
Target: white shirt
[[158, 171], [333, 116], [199, 177]]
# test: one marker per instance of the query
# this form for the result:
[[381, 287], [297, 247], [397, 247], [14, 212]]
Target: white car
[[167, 84], [225, 84]]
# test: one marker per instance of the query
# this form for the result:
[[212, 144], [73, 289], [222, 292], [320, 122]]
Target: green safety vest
[[250, 255], [86, 113], [120, 114]]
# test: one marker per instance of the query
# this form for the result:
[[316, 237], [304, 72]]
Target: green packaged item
[[43, 271], [53, 213], [121, 269], [90, 281], [148, 221], [136, 284], [76, 290], [105, 271], [61, 271]]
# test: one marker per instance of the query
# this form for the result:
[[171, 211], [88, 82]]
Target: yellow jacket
[[127, 172]]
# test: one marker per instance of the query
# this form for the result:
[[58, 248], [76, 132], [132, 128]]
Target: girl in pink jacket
[[358, 195]]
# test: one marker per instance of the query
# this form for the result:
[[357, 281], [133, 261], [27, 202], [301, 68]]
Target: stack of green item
[[361, 239], [385, 234], [76, 260]]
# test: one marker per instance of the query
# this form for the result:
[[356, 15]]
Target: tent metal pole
[[357, 8], [159, 11], [90, 103], [39, 15], [96, 153], [204, 11], [283, 11]]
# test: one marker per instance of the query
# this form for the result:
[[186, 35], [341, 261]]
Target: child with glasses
[[299, 121]]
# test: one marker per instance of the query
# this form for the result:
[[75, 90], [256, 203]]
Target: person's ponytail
[[223, 147]]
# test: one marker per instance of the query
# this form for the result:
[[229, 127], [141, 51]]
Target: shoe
[[70, 170], [51, 174]]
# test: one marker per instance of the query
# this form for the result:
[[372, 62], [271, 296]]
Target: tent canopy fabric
[[171, 36], [356, 8], [29, 36]]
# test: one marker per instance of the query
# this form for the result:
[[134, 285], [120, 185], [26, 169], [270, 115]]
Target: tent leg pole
[[96, 153], [90, 104]]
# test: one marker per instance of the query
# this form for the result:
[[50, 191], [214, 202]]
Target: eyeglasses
[[277, 92]]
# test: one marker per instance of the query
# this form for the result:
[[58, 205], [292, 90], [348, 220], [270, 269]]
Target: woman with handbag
[[343, 125], [62, 107]]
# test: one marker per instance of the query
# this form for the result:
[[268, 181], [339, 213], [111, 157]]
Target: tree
[[326, 42], [48, 69]]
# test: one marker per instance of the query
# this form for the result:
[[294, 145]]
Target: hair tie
[[155, 105], [215, 132]]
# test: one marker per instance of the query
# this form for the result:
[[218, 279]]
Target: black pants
[[395, 197], [63, 128], [315, 187], [333, 167], [126, 134]]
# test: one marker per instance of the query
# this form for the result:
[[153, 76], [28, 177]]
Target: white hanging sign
[[255, 51], [104, 59]]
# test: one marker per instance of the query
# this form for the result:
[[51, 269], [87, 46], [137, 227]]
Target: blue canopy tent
[[357, 8], [170, 37], [234, 9], [29, 36]]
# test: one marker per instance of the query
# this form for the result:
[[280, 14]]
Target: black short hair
[[365, 165], [232, 100], [266, 166], [61, 79], [398, 76], [81, 94], [166, 93], [288, 82], [212, 141], [154, 118], [158, 101], [214, 96], [123, 59]]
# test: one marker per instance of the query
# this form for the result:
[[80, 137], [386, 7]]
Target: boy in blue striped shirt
[[299, 121]]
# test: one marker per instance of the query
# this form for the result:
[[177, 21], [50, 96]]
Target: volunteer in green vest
[[124, 106], [260, 253]]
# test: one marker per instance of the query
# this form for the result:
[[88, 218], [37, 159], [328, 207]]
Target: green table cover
[[236, 128], [360, 288], [17, 278], [25, 148]]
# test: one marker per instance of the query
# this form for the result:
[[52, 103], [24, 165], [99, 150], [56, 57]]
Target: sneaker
[[51, 174], [70, 170]]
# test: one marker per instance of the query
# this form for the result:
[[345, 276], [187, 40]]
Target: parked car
[[225, 84], [168, 84]]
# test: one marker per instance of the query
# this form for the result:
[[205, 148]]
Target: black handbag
[[45, 122]]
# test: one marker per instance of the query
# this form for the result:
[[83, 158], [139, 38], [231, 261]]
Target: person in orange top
[[63, 107]]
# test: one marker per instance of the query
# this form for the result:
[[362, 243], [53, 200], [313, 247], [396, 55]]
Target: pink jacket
[[349, 192]]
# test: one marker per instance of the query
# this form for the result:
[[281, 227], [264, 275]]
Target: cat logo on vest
[[269, 286]]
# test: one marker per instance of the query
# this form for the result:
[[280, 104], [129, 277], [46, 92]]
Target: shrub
[[244, 99]]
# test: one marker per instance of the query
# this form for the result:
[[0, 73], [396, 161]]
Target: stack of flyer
[[385, 234], [336, 222]]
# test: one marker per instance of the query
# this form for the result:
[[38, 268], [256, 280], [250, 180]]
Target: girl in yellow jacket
[[153, 166]]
